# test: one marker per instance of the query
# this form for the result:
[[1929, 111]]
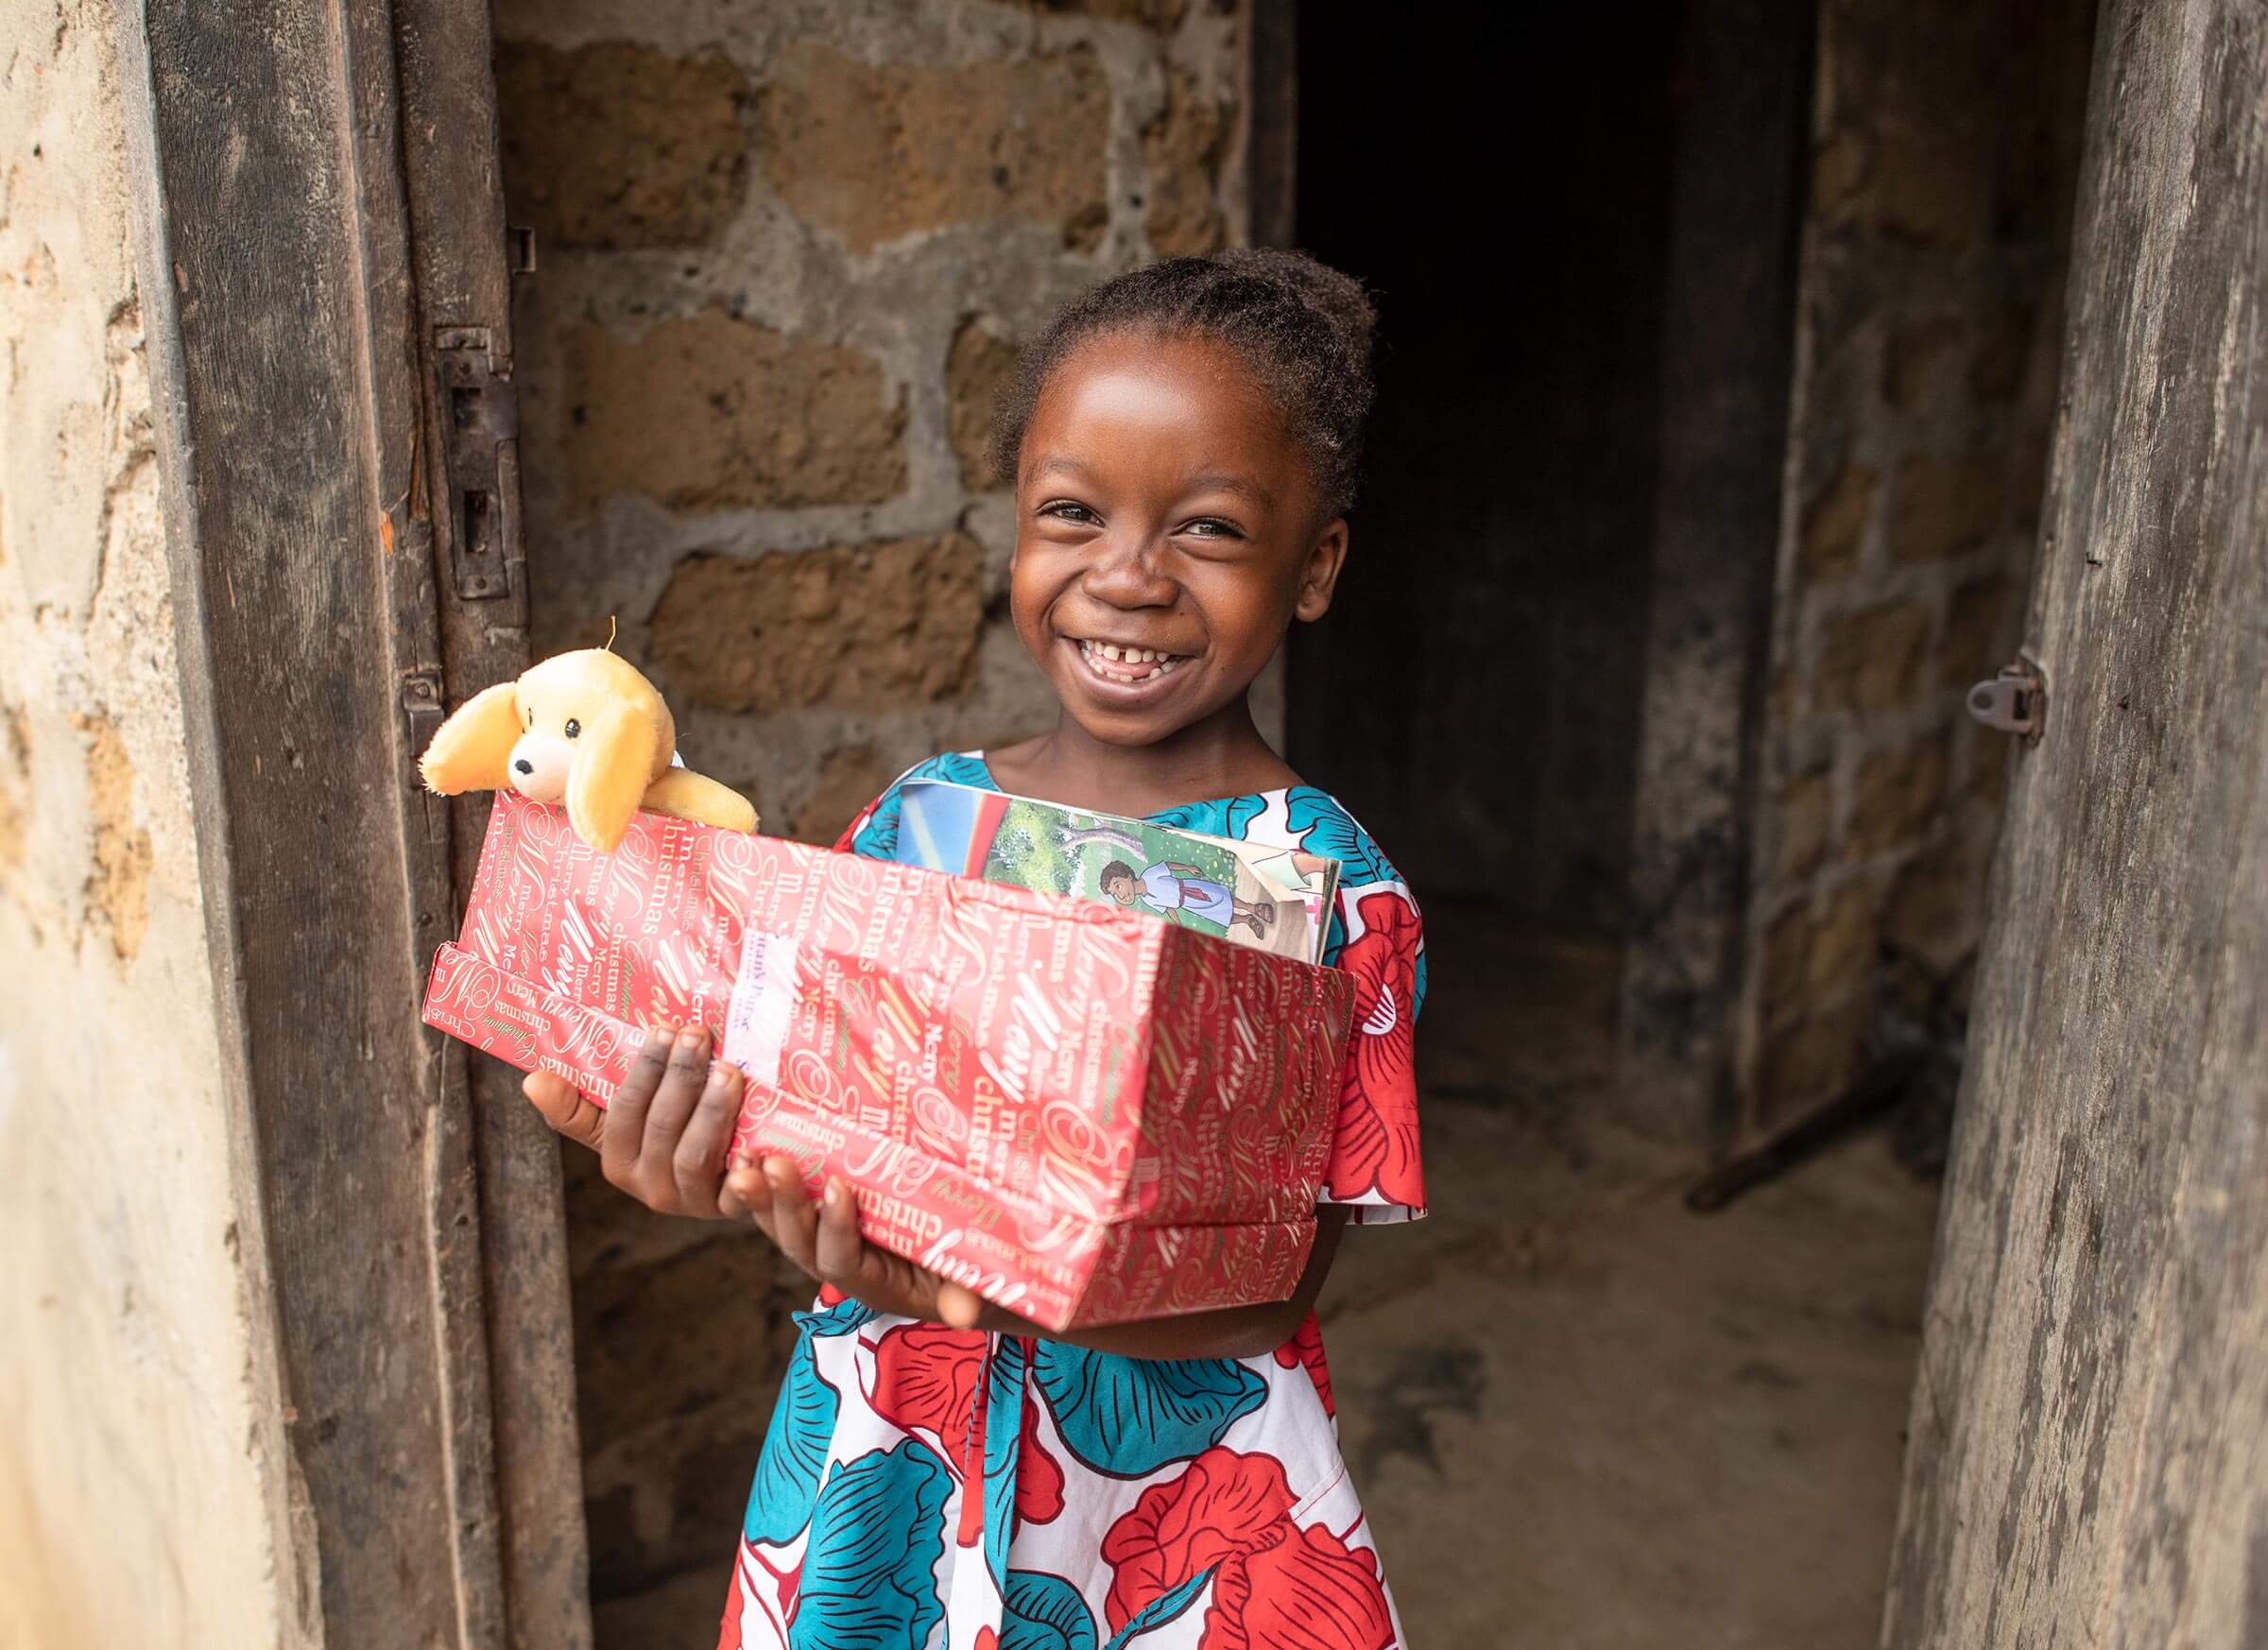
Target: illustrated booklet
[[1276, 900]]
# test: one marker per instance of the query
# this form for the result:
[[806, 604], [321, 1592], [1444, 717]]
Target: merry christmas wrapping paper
[[1087, 1115]]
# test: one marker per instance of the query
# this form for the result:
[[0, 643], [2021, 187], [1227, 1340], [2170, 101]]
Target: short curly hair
[[1304, 327]]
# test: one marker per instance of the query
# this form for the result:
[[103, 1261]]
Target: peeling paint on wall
[[126, 1408]]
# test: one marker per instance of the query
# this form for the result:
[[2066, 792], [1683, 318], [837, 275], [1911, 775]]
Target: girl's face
[[1166, 535]]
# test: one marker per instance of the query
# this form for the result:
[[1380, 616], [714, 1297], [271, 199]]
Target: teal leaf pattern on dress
[[1044, 1612], [1162, 1609], [1323, 827], [1129, 1416], [1004, 1450], [869, 1571], [846, 1316], [795, 1450], [1222, 817]]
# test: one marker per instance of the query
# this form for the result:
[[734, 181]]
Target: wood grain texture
[[423, 1374], [2088, 1455], [452, 167], [275, 546], [1728, 352]]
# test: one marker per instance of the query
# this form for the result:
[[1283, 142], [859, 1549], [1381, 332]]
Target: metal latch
[[2014, 701], [421, 706], [481, 453]]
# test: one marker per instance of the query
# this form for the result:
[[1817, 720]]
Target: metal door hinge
[[2014, 701], [481, 455]]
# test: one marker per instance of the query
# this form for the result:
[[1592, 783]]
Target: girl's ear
[[1321, 575], [614, 761], [471, 750]]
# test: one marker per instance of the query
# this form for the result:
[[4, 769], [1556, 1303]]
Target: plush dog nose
[[524, 765]]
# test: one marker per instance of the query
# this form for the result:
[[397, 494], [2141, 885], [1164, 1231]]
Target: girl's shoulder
[[1298, 816]]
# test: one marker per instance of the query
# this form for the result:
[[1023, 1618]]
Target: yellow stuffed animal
[[586, 728]]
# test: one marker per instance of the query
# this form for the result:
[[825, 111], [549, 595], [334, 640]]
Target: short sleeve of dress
[[1374, 1163], [1379, 938]]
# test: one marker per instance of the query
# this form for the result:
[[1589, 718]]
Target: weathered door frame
[[2087, 1460], [326, 302]]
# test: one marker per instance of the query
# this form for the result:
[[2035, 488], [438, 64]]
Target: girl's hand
[[663, 1140], [824, 1239]]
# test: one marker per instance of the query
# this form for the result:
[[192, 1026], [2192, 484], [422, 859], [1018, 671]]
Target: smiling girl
[[940, 1475]]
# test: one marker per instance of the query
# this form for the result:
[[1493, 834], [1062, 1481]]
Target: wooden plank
[[453, 1216], [2088, 1457], [256, 294], [450, 151], [1272, 121], [1745, 79], [298, 241]]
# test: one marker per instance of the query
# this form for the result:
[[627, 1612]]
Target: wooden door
[[2088, 1454], [324, 276]]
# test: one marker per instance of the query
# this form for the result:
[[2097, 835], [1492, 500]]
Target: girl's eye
[[1211, 527], [1064, 509], [574, 729]]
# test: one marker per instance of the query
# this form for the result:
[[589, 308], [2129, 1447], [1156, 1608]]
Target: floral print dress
[[930, 1488]]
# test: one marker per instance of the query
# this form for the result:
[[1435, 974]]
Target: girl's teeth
[[1145, 662]]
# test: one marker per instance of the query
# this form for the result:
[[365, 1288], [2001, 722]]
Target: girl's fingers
[[794, 1221], [749, 1192], [568, 1114], [841, 1251], [618, 1146], [681, 1086], [957, 1307], [700, 1159]]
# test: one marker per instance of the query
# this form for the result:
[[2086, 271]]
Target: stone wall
[[134, 1507], [1945, 143], [785, 252]]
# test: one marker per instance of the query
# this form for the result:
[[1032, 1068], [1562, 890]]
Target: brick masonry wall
[[786, 254], [1945, 143]]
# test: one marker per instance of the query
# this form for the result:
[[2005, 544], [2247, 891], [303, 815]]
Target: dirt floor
[[1584, 1418]]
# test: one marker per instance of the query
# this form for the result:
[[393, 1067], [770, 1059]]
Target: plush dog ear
[[471, 750], [614, 761]]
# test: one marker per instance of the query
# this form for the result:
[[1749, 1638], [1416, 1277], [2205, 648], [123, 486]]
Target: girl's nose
[[1127, 576]]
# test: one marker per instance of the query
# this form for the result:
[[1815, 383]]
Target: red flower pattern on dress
[[1223, 1505], [1375, 1148], [1275, 1586], [1306, 1347], [1039, 1474], [1309, 1592], [926, 1381]]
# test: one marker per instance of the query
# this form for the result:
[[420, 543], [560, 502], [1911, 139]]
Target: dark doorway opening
[[1476, 695]]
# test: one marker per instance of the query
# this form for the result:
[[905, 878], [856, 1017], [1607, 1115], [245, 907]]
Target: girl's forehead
[[1178, 396]]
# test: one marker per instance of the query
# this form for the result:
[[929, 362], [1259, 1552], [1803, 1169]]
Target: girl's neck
[[1222, 756]]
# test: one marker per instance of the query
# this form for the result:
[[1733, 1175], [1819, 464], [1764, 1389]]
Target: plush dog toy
[[586, 728]]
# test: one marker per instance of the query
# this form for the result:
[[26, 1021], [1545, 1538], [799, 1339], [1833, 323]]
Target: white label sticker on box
[[764, 997]]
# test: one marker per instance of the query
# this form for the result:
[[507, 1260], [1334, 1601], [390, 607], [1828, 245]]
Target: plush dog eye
[[574, 727]]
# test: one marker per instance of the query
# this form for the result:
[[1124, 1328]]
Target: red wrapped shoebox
[[1086, 1115]]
